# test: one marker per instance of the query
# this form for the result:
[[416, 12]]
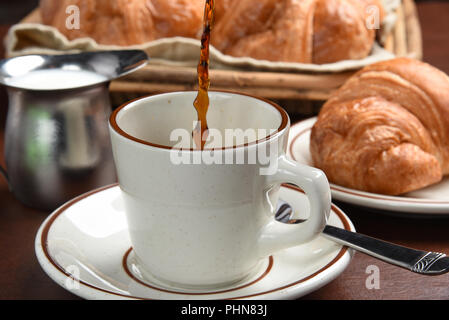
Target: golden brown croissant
[[127, 22], [386, 130], [307, 31]]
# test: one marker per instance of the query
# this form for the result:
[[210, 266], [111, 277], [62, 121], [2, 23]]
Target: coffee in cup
[[205, 218]]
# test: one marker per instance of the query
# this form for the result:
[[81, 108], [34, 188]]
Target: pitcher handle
[[4, 173]]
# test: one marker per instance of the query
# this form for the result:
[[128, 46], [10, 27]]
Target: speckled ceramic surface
[[84, 246], [205, 218]]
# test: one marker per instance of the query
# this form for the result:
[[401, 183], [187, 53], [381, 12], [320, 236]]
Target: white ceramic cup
[[208, 224]]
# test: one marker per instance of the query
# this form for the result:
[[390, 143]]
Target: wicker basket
[[298, 92]]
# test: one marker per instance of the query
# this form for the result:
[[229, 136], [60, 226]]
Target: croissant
[[386, 130], [306, 31], [126, 22]]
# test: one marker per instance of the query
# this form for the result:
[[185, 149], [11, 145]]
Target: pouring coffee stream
[[428, 263], [202, 100]]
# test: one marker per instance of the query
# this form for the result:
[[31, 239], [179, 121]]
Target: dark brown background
[[22, 278]]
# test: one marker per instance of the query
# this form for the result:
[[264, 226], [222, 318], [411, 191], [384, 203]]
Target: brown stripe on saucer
[[296, 138], [380, 197], [131, 275], [342, 252], [51, 221], [355, 192]]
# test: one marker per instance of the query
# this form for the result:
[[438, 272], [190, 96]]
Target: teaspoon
[[422, 262]]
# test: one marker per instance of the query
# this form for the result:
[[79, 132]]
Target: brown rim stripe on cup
[[115, 126], [51, 221], [358, 194], [131, 275]]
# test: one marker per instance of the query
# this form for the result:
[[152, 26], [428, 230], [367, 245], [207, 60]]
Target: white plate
[[433, 200], [87, 240]]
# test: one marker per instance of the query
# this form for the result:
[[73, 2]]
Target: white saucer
[[430, 201], [87, 240]]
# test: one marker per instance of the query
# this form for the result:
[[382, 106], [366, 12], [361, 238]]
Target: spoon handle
[[422, 262]]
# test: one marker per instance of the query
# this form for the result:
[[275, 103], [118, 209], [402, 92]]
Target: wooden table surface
[[22, 278]]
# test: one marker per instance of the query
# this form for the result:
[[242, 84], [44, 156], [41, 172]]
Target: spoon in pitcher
[[422, 262]]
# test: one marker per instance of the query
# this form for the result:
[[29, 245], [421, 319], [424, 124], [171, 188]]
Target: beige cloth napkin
[[35, 38]]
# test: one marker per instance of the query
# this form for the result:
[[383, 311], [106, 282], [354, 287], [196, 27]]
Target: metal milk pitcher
[[56, 141]]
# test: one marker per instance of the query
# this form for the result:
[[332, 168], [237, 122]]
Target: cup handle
[[276, 235]]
